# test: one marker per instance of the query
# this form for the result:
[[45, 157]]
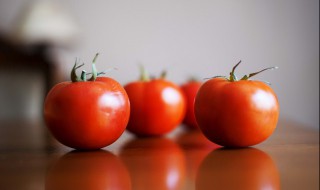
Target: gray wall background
[[200, 38]]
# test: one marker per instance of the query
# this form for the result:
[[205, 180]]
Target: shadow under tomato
[[88, 170], [194, 139], [154, 163], [246, 168]]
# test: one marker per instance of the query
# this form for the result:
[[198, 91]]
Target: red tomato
[[87, 114], [154, 163], [157, 106], [236, 113], [190, 90], [87, 170], [246, 168]]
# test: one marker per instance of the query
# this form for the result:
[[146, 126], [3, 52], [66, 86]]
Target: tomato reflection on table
[[246, 168], [195, 147], [154, 163], [88, 170]]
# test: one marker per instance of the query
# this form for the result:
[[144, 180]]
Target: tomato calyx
[[83, 76], [193, 79], [163, 74], [145, 77], [233, 77]]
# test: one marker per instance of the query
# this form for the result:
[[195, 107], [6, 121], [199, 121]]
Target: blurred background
[[40, 40]]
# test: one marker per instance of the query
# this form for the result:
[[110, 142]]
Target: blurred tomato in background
[[190, 90], [157, 106]]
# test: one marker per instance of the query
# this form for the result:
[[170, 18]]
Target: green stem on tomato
[[233, 77], [83, 75], [163, 74], [94, 69], [83, 78], [74, 76], [144, 76], [192, 79], [246, 77]]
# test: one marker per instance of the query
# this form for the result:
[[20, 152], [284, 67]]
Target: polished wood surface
[[31, 159]]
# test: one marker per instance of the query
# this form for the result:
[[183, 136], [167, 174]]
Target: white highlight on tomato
[[264, 100], [111, 100], [172, 179], [170, 95]]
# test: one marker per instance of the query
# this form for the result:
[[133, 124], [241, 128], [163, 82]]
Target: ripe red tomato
[[190, 90], [157, 106], [87, 114], [87, 170], [236, 113]]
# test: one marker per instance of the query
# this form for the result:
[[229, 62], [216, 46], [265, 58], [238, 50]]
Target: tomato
[[87, 114], [236, 113], [246, 168], [154, 163], [157, 106], [190, 90], [87, 170]]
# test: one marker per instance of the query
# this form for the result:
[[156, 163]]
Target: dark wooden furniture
[[28, 58]]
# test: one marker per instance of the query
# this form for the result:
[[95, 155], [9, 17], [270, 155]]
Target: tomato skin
[[157, 107], [190, 90], [236, 114], [87, 115]]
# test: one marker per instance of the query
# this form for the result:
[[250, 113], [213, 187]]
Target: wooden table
[[31, 159]]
